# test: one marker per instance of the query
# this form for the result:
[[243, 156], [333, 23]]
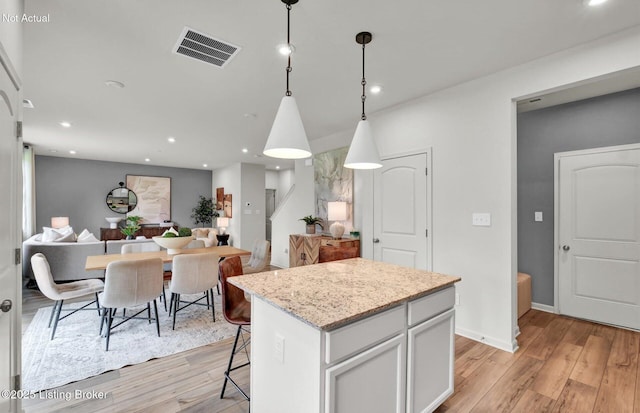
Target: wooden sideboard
[[107, 234], [312, 249]]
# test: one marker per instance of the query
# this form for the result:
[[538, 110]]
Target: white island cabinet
[[350, 336]]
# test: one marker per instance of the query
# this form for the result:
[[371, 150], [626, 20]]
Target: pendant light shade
[[287, 138], [363, 153]]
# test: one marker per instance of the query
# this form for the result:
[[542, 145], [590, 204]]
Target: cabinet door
[[372, 381], [430, 359]]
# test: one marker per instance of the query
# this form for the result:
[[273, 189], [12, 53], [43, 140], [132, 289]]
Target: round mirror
[[121, 200]]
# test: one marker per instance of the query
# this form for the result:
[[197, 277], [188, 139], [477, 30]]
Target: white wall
[[286, 221], [271, 180], [230, 179], [471, 130], [246, 183], [252, 203], [286, 179]]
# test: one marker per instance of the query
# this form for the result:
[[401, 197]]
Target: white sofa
[[66, 259], [208, 235]]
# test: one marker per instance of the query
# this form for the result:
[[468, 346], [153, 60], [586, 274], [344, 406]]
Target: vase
[[311, 229], [129, 237]]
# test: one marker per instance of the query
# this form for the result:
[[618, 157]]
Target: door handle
[[6, 306], [566, 248], [376, 240]]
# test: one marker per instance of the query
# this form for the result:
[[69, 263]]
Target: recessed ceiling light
[[171, 139], [65, 124], [204, 165], [26, 103], [72, 152], [53, 150], [375, 89], [594, 2], [114, 83], [286, 49], [245, 150], [277, 166], [147, 160]]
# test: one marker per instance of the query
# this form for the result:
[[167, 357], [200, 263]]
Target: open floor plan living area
[[293, 206]]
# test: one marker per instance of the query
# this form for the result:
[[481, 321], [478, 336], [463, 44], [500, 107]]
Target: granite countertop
[[330, 295]]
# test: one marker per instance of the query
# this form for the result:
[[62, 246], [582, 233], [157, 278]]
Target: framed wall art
[[154, 198]]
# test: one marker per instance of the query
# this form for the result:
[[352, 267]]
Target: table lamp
[[59, 222], [222, 223], [336, 211]]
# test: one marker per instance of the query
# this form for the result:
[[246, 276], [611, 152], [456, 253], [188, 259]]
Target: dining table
[[100, 262]]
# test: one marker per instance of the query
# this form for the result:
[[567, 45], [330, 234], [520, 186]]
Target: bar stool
[[236, 310]]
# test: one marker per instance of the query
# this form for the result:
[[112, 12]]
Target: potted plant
[[204, 211], [311, 222], [132, 226]]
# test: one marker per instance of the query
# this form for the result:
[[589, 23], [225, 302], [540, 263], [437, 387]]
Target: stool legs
[[230, 369]]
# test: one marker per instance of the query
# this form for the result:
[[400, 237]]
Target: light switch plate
[[538, 216], [481, 219]]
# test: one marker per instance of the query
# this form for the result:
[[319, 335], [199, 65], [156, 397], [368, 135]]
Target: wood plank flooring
[[563, 365]]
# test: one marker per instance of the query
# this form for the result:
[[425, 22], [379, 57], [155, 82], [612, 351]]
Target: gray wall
[[603, 121], [77, 188]]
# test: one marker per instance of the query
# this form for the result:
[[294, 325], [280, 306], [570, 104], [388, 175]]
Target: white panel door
[[400, 212], [599, 236], [10, 221]]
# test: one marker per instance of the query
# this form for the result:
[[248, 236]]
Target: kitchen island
[[349, 336]]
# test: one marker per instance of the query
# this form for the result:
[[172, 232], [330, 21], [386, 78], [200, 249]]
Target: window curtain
[[28, 192]]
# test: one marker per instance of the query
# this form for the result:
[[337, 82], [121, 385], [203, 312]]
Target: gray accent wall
[[598, 122], [77, 188]]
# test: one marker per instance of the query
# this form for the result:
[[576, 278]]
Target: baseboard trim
[[491, 341], [543, 307]]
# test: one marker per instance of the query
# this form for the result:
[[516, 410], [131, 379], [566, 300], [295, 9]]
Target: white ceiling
[[419, 46]]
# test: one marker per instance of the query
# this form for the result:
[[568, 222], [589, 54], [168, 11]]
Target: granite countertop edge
[[355, 317]]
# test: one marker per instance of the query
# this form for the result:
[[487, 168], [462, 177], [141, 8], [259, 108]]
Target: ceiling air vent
[[205, 48]]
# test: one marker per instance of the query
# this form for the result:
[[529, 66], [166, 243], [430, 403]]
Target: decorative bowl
[[113, 221], [173, 244]]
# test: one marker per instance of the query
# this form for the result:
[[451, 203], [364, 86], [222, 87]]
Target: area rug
[[77, 351]]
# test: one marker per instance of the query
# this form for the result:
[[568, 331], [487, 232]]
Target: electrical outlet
[[481, 219], [278, 348], [537, 216]]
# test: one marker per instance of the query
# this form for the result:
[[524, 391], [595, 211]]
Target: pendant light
[[363, 153], [287, 138]]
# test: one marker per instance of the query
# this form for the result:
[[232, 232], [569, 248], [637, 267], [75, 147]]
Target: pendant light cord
[[289, 69], [364, 83]]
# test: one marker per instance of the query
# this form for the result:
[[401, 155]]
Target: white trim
[[605, 149], [428, 153], [556, 213], [11, 71], [544, 307], [491, 341]]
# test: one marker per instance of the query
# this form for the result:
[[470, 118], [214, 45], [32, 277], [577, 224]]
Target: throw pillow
[[64, 234], [86, 236], [49, 234]]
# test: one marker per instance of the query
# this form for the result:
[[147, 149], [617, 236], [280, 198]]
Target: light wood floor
[[563, 365]]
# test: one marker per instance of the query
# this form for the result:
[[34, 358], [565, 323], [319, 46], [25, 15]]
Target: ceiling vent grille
[[205, 48]]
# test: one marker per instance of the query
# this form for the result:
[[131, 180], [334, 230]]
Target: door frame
[[16, 187], [556, 208], [428, 151]]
